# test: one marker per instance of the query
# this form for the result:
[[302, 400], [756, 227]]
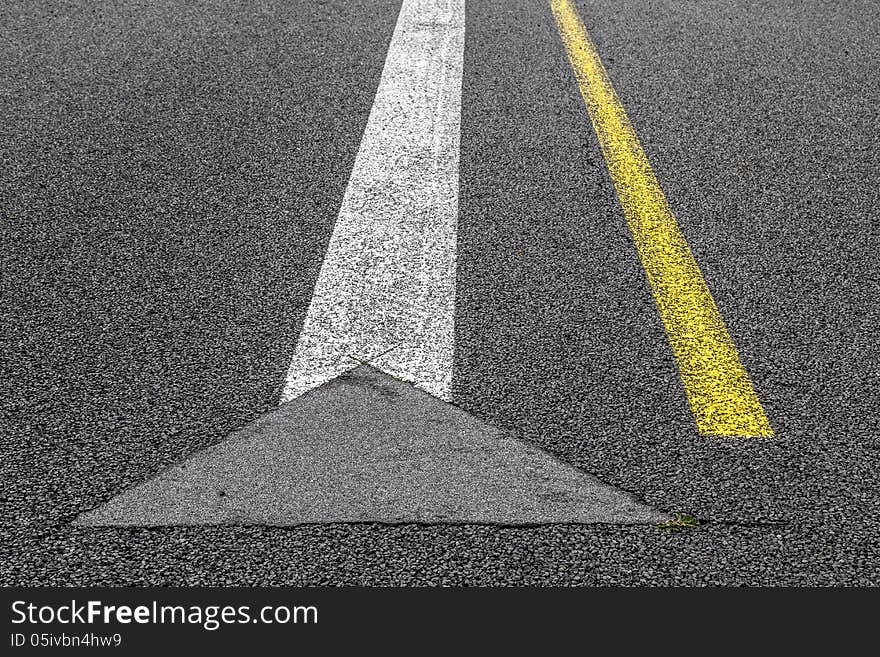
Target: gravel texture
[[170, 177]]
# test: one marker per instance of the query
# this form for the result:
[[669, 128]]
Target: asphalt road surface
[[170, 177]]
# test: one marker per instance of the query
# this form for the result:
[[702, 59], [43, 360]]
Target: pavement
[[367, 447], [171, 177]]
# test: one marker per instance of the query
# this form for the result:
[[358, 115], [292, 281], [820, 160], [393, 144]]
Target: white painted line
[[386, 290]]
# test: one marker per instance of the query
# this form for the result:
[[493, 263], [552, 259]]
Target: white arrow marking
[[386, 290]]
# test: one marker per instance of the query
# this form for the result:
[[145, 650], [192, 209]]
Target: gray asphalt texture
[[366, 447], [170, 177]]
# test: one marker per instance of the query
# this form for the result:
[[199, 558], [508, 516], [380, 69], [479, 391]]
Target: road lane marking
[[721, 397], [386, 290]]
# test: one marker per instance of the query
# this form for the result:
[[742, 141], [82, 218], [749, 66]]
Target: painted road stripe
[[721, 396], [386, 290]]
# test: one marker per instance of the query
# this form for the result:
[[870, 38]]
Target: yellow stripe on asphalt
[[721, 397]]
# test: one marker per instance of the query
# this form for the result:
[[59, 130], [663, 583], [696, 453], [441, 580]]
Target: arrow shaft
[[386, 290]]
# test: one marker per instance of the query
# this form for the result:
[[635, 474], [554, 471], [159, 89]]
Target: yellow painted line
[[721, 397]]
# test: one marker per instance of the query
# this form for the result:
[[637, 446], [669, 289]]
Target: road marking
[[386, 290], [718, 389]]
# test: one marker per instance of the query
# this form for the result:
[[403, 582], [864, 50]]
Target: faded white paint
[[386, 290]]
